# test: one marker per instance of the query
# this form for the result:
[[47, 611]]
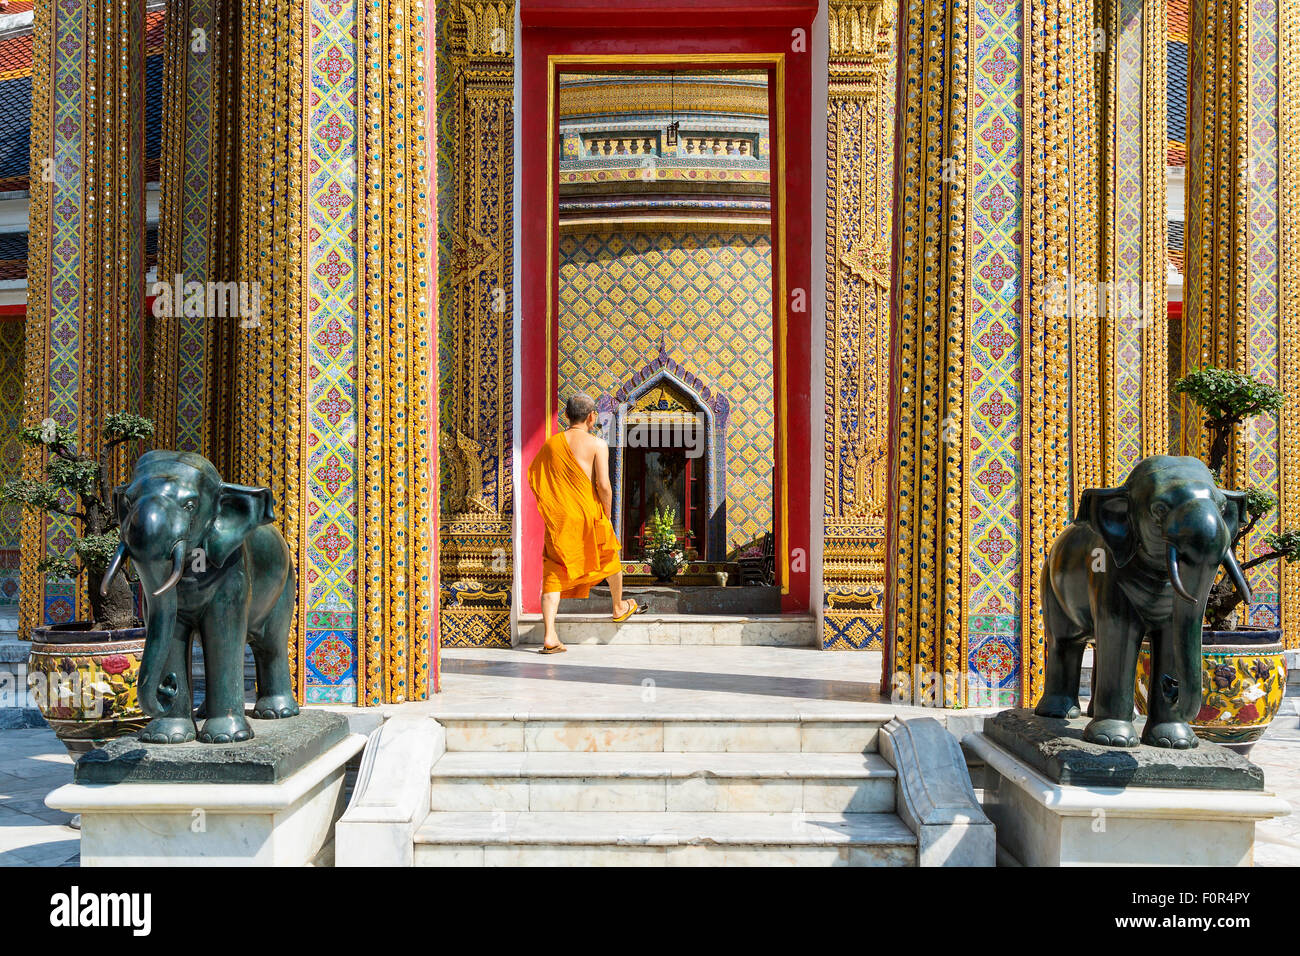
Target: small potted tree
[[83, 673], [1243, 666]]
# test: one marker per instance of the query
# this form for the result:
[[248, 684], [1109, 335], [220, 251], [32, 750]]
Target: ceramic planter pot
[[84, 682], [664, 566], [1243, 680]]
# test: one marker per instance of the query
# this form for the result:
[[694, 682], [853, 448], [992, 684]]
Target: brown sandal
[[557, 649]]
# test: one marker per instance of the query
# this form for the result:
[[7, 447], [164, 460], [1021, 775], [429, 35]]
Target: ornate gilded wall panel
[[400, 417], [334, 216], [1131, 300], [192, 340], [1057, 444], [859, 200], [475, 327], [1241, 287], [84, 341], [995, 255]]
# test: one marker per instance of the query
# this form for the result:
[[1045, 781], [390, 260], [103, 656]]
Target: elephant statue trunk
[[165, 655], [1198, 540]]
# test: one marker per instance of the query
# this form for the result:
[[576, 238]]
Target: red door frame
[[642, 29]]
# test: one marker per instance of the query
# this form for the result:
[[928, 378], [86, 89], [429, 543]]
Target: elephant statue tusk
[[178, 563], [114, 566], [1238, 578], [1171, 556]]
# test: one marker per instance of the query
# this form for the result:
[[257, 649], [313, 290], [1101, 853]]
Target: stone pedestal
[[17, 707], [270, 801], [1057, 800]]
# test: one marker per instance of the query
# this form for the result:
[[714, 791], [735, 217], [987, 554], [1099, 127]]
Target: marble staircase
[[652, 789]]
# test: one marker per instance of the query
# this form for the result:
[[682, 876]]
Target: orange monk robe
[[581, 549]]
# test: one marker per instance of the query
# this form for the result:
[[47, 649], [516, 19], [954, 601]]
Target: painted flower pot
[[84, 682], [1243, 680]]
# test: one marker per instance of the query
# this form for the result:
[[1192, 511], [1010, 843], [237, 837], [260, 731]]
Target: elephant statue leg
[[223, 661], [271, 652], [1114, 662], [1065, 644], [1166, 727], [175, 695]]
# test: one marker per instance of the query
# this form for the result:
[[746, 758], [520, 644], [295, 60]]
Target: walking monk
[[570, 479]]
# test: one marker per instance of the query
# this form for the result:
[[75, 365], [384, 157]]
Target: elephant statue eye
[[1160, 510], [189, 506]]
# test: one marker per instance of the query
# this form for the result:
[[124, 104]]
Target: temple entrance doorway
[[665, 317], [665, 269]]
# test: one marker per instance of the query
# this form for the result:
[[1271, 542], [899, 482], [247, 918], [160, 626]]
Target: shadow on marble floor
[[33, 763]]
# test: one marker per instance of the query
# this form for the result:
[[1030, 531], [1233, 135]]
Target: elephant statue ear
[[1106, 510], [1235, 511], [240, 509]]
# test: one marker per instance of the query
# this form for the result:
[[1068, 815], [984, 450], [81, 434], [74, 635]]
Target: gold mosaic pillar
[[192, 344], [476, 124], [1134, 234], [1243, 261], [996, 234], [859, 199], [335, 397], [85, 266]]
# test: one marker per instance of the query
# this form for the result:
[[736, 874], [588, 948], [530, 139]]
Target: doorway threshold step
[[692, 838], [672, 599], [771, 630]]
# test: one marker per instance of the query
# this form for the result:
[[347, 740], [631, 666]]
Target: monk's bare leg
[[550, 607], [615, 582]]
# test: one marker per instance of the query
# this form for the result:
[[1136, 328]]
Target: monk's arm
[[604, 490]]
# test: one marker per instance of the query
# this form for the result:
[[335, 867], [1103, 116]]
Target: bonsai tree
[[76, 487], [1229, 398]]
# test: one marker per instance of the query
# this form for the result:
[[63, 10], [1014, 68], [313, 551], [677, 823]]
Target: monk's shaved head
[[579, 407]]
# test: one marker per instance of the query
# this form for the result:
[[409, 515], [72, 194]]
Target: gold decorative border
[[31, 595], [924, 612], [1288, 13], [1053, 212]]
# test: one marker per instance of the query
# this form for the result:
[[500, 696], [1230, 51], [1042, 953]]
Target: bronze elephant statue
[[212, 564], [1138, 563]]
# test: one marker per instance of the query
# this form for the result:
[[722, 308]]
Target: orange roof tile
[[1178, 18]]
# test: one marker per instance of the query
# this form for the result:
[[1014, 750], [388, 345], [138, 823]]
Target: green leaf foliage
[[124, 426], [1286, 544], [1228, 396], [79, 477], [96, 550], [40, 495], [59, 567], [1259, 502]]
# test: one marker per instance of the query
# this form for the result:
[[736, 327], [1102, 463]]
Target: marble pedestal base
[[1041, 823], [286, 819]]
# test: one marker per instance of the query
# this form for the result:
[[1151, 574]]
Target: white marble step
[[851, 733], [730, 782], [503, 838], [772, 630]]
